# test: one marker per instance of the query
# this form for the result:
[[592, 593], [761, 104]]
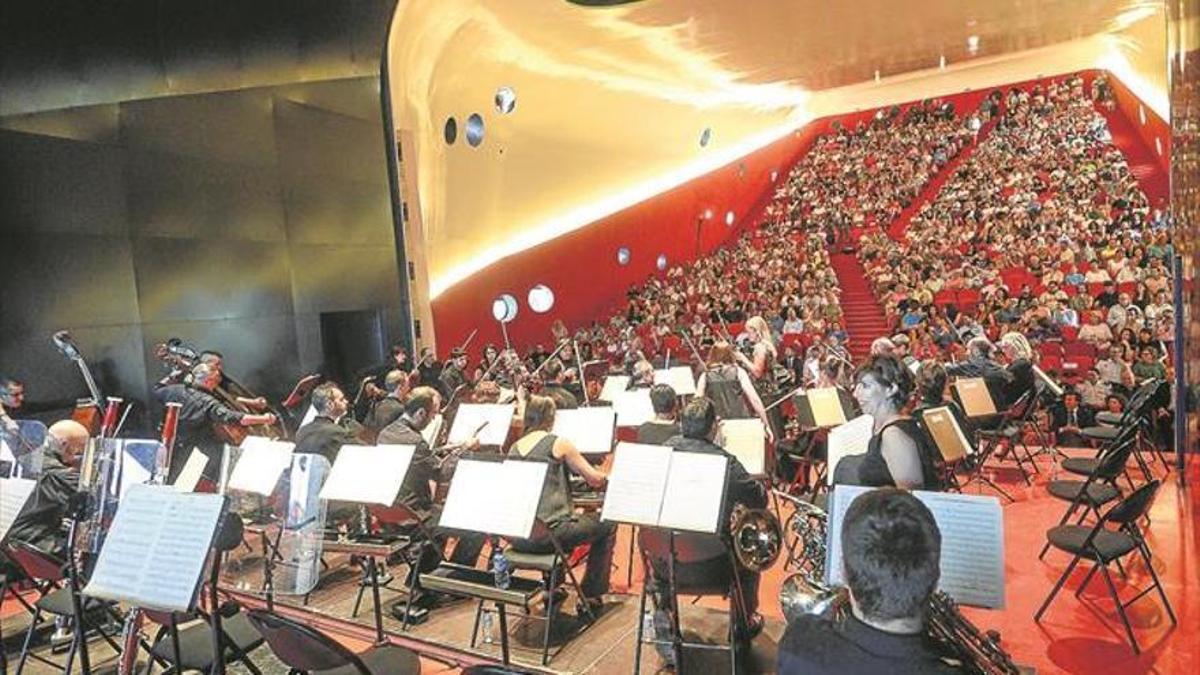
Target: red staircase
[[1142, 162], [864, 316]]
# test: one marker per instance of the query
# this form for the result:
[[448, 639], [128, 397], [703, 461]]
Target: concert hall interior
[[599, 336]]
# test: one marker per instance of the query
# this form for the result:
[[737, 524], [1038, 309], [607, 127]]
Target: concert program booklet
[[656, 486], [14, 492], [260, 464], [972, 527], [368, 474], [680, 378], [613, 385], [493, 497], [947, 435], [490, 421], [747, 440], [590, 429], [975, 398], [156, 549], [633, 408], [851, 438]]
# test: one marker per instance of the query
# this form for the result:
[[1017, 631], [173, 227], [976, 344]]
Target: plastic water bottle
[[648, 626], [501, 570], [486, 622]]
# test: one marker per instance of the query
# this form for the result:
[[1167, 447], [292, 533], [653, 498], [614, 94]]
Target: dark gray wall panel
[[234, 127], [173, 196], [54, 185], [322, 211], [338, 278], [316, 142]]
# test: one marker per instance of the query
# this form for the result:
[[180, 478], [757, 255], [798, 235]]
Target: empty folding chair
[[307, 651]]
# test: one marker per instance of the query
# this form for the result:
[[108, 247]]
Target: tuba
[[804, 593]]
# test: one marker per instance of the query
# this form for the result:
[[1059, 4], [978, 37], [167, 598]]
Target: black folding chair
[[1101, 545], [1093, 492], [305, 650]]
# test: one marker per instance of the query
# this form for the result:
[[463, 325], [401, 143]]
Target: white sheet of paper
[[613, 385], [590, 429], [309, 415], [156, 548], [494, 497], [431, 430], [258, 469], [6, 453], [694, 493], [491, 420], [747, 440], [14, 492], [190, 475], [132, 473], [914, 366], [633, 408], [368, 474], [851, 438], [679, 377], [636, 484], [1048, 381], [972, 528]]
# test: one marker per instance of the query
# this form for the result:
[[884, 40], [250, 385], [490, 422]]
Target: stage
[[1076, 635]]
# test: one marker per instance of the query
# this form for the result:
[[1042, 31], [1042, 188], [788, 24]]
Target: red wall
[[1154, 128]]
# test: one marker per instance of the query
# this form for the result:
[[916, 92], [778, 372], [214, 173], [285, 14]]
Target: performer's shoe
[[594, 604]]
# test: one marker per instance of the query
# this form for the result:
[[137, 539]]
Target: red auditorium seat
[[1075, 367], [1077, 348], [1051, 363], [735, 329], [1069, 333], [1095, 288], [1129, 287], [943, 298], [1051, 349]]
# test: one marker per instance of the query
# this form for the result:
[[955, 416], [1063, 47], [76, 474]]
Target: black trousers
[[581, 529], [711, 573]]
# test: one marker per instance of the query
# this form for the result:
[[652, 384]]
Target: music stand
[[591, 430], [823, 408]]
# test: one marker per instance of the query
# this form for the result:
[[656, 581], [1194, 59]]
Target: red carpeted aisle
[[865, 319], [1142, 162]]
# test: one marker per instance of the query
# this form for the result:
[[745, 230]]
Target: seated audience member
[[664, 425], [40, 521], [1092, 390], [698, 425], [899, 453], [1095, 330], [1070, 416], [1148, 367], [555, 509], [891, 548]]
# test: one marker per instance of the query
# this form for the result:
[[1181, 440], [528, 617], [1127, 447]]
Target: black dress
[[871, 469]]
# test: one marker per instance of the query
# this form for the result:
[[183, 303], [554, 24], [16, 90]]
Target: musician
[[330, 429], [391, 406], [200, 414], [40, 521], [891, 548], [428, 370], [931, 382], [490, 356], [979, 362], [899, 453], [1019, 369], [698, 428], [377, 388], [883, 346], [665, 424], [556, 509], [453, 379], [1069, 416], [12, 400], [760, 365], [643, 375], [555, 385], [216, 360], [729, 387], [426, 469]]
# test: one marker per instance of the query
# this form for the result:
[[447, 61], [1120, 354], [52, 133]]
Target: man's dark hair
[[698, 418], [931, 381], [663, 399], [6, 381], [420, 399], [891, 547], [552, 368], [398, 347], [322, 397]]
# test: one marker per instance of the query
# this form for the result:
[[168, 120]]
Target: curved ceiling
[[612, 101]]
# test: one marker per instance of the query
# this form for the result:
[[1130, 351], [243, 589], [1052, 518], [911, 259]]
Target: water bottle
[[501, 570], [486, 623], [648, 626]]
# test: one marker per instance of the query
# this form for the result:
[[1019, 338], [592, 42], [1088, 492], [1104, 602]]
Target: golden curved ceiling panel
[[611, 102]]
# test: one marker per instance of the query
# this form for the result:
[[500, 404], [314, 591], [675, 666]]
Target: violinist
[[453, 379], [426, 469], [487, 366], [428, 370], [387, 409], [330, 429], [376, 387], [555, 385], [200, 416]]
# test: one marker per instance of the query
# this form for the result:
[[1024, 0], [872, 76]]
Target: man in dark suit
[[389, 408], [326, 434], [1070, 416]]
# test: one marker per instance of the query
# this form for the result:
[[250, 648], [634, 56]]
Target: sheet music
[[613, 385], [972, 558], [137, 463], [947, 434], [1048, 381], [494, 418], [494, 497], [826, 406], [636, 484], [679, 377], [694, 492], [590, 429], [633, 408], [431, 430], [975, 397], [14, 492], [368, 474], [851, 438], [156, 548], [746, 440], [190, 475], [260, 464]]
